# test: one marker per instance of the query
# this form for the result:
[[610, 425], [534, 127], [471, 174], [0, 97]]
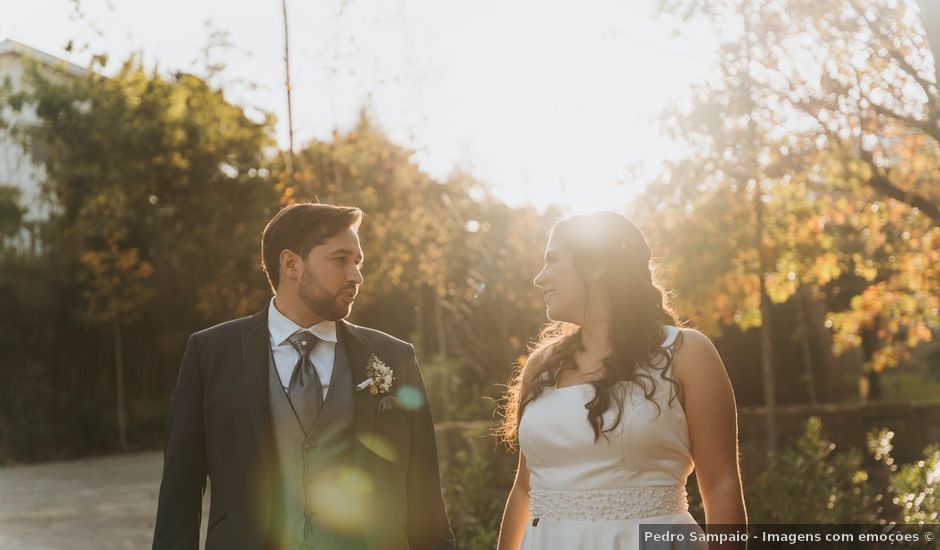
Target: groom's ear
[[289, 263]]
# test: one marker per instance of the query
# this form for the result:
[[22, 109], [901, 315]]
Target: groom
[[314, 432]]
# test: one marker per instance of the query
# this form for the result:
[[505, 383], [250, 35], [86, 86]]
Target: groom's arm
[[427, 524], [179, 509]]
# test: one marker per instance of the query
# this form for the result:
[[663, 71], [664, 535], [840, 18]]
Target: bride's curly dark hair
[[639, 311]]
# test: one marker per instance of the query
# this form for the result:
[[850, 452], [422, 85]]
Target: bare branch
[[905, 65], [880, 182], [926, 126], [930, 17]]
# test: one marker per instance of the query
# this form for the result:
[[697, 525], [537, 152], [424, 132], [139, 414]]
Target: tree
[[845, 102], [160, 189], [117, 283], [447, 266], [11, 213]]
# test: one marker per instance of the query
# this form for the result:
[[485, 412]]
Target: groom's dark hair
[[300, 227]]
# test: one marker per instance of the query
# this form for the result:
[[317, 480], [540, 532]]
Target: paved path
[[105, 503]]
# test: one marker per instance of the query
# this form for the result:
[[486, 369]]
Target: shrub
[[477, 487], [809, 483], [916, 488]]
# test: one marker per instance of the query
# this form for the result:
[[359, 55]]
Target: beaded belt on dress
[[609, 504]]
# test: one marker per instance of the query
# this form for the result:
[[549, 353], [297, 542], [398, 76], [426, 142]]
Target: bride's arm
[[712, 418], [516, 515]]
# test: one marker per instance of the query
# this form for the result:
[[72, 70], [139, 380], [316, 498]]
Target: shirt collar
[[282, 328]]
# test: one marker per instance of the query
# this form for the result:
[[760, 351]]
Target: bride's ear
[[596, 274]]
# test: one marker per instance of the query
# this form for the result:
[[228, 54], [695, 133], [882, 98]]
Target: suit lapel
[[359, 350], [255, 364]]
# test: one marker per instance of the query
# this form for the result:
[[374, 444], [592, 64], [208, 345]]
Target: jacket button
[[309, 446]]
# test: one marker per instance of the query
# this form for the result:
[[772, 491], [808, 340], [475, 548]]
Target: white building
[[21, 157]]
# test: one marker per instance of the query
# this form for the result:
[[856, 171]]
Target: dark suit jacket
[[220, 426]]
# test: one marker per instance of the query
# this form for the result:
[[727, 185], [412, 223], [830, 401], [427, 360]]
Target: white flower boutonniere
[[380, 376]]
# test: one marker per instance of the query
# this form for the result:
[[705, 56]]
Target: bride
[[616, 405]]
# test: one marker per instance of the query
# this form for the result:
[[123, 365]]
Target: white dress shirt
[[280, 328]]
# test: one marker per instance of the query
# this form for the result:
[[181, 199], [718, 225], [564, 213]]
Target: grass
[[898, 385]]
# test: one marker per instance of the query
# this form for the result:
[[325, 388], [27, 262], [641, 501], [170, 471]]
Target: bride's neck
[[595, 337]]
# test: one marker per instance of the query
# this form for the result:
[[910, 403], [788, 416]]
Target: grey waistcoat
[[307, 460]]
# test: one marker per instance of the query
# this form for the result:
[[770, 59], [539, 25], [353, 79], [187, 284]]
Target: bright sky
[[548, 102]]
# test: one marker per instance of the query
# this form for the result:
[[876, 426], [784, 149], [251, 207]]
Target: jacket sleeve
[[179, 509], [427, 525]]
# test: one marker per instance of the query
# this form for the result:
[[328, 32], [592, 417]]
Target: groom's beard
[[319, 301]]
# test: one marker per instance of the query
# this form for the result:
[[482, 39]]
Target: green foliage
[[11, 213], [27, 422], [840, 151], [476, 489], [454, 395], [899, 385], [447, 266], [807, 482], [153, 173], [158, 187], [29, 415], [810, 483], [916, 488]]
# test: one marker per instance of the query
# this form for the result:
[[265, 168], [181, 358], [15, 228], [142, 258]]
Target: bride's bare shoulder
[[690, 336], [695, 359]]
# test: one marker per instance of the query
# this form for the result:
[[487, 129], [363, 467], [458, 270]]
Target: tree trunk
[[805, 344], [767, 365], [418, 338], [439, 326], [290, 108], [829, 381], [766, 340], [119, 383]]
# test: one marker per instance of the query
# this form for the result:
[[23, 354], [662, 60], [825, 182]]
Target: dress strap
[[672, 333]]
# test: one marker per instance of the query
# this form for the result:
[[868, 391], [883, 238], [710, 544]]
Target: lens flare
[[380, 446], [411, 399], [337, 498]]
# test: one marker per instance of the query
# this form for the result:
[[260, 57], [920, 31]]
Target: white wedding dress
[[591, 496]]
